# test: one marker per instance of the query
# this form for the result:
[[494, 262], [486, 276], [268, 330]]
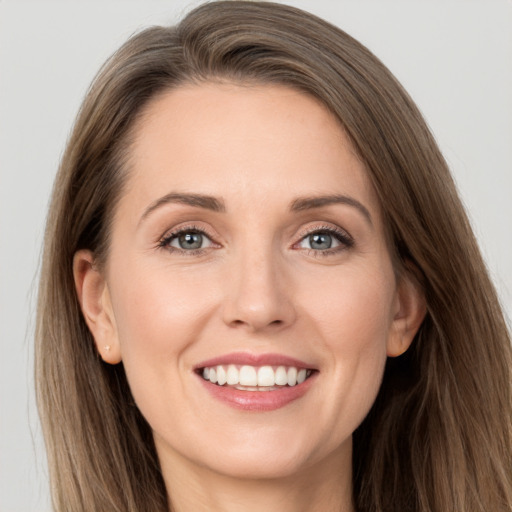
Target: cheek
[[355, 318], [157, 306], [354, 307], [159, 313]]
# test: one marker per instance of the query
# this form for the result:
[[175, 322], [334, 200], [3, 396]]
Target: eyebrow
[[217, 205], [308, 203], [197, 200]]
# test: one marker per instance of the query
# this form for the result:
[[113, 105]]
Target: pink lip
[[258, 400], [241, 358]]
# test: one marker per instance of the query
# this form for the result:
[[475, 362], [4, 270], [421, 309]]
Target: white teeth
[[221, 376], [292, 376], [266, 376], [232, 375], [281, 376], [250, 378]]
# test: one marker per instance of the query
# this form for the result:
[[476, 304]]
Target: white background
[[454, 57]]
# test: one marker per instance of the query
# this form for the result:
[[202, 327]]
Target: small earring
[[107, 348]]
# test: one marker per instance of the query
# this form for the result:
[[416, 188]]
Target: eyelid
[[342, 236], [172, 234], [176, 239]]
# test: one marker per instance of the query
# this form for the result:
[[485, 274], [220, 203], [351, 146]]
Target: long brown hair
[[438, 437]]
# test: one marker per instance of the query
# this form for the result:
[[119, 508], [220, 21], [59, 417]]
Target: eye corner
[[188, 240], [330, 240]]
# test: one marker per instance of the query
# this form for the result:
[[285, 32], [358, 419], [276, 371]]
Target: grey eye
[[190, 240], [319, 242]]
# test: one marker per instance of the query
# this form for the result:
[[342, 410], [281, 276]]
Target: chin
[[262, 466], [270, 453]]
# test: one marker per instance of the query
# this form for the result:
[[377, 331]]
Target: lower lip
[[258, 400]]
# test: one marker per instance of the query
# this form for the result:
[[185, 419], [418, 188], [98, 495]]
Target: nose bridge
[[258, 291]]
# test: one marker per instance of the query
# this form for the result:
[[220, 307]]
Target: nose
[[259, 293]]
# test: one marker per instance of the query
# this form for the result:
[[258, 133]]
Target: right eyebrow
[[197, 200]]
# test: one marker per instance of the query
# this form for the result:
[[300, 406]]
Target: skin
[[257, 286]]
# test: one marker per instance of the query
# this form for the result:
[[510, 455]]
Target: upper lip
[[245, 358]]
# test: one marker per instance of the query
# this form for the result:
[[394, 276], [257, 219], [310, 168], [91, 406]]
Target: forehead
[[247, 143]]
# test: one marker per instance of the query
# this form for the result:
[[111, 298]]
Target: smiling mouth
[[255, 378]]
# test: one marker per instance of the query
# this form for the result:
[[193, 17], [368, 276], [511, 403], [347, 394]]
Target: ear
[[94, 299], [410, 310]]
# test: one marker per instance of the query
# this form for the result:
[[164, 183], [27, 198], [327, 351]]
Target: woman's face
[[249, 241]]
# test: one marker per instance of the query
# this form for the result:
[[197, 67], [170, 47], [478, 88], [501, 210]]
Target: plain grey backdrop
[[453, 56]]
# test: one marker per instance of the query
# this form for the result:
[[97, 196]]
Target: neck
[[323, 487]]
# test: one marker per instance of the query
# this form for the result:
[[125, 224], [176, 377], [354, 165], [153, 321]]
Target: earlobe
[[409, 315], [94, 298]]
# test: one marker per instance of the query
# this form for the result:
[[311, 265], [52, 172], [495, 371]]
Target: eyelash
[[345, 240], [165, 242]]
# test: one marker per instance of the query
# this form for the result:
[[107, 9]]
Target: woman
[[260, 288]]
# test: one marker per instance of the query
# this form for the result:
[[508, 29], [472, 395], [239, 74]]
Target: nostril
[[238, 323]]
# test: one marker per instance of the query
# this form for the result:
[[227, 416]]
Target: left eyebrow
[[308, 203]]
